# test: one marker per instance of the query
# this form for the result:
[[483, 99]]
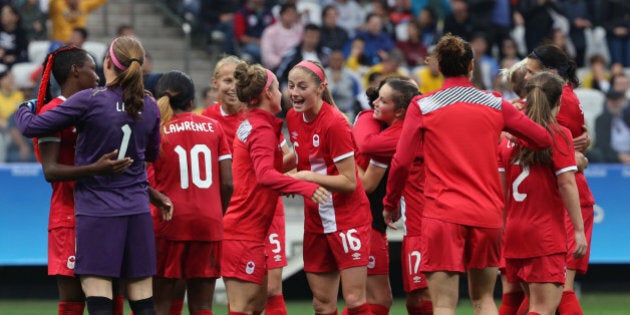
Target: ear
[[399, 113], [74, 70], [107, 64], [215, 83]]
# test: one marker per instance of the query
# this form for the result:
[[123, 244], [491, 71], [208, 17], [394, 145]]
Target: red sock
[[333, 313], [275, 305], [202, 312], [426, 308], [569, 304], [378, 309], [70, 308], [176, 307], [524, 308], [363, 309], [119, 305], [510, 303], [344, 311]]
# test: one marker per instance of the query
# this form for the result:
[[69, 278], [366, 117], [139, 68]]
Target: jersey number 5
[[200, 153]]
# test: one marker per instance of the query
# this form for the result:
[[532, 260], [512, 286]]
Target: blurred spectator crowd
[[359, 42]]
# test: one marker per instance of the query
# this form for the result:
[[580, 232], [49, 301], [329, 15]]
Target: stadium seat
[[37, 51], [592, 102], [96, 49], [22, 74]]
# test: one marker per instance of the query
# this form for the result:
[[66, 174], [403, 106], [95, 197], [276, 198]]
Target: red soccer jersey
[[381, 146], [318, 145], [459, 128], [571, 116], [535, 210], [62, 199], [188, 172], [229, 122], [258, 180]]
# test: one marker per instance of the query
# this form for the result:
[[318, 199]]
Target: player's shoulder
[[213, 111], [52, 104]]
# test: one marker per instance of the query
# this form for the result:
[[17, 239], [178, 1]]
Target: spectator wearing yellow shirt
[[10, 97], [66, 15], [430, 78]]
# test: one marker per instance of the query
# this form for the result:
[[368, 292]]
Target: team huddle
[[167, 200]]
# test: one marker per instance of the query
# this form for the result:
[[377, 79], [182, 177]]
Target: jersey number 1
[[197, 151], [124, 143]]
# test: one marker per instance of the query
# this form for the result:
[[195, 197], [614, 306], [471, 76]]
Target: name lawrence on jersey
[[189, 126]]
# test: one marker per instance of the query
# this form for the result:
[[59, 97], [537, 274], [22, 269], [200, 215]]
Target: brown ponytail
[[127, 55]]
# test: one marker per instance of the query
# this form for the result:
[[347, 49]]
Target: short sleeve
[[339, 140], [563, 153]]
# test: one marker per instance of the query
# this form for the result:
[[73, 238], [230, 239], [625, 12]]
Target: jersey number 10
[[200, 153]]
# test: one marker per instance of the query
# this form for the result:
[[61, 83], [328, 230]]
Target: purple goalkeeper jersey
[[103, 126]]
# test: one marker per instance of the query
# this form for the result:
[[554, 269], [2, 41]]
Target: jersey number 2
[[518, 196], [197, 151]]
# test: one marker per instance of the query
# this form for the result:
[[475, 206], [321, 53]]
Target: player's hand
[[320, 195], [390, 217], [108, 164], [581, 160], [583, 141], [580, 244], [164, 204], [30, 104]]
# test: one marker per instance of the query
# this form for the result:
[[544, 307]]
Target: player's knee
[[354, 299]]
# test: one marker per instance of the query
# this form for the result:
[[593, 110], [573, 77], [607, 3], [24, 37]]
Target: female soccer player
[[258, 182], [390, 102], [538, 186], [458, 127], [114, 230], [230, 112], [550, 58], [376, 149], [337, 232], [194, 170], [74, 70]]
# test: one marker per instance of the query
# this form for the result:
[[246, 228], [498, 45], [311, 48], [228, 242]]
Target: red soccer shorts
[[454, 247], [336, 251], [275, 246], [410, 260], [61, 252], [244, 260], [188, 259], [544, 269], [378, 260], [579, 264]]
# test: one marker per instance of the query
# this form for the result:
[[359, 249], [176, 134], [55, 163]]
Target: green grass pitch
[[592, 303]]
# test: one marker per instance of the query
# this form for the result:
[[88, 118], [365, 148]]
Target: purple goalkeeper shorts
[[115, 247]]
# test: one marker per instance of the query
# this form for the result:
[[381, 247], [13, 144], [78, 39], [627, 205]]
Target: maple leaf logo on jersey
[[70, 262], [371, 262], [316, 140], [249, 269], [356, 256]]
